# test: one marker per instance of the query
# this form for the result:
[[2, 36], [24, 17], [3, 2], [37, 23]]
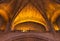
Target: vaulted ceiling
[[49, 9]]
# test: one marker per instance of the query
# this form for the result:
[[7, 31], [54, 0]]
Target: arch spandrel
[[29, 13]]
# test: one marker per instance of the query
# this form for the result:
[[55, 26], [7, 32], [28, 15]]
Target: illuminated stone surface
[[29, 20]]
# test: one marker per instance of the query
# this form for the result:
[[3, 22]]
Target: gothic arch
[[29, 13]]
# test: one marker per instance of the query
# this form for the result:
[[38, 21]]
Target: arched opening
[[30, 27]]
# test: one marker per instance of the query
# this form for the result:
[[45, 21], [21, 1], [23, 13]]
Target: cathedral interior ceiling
[[48, 9], [15, 13]]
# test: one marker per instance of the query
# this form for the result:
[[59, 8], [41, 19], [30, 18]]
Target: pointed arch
[[29, 13]]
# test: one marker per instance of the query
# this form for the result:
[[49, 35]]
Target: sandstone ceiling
[[49, 9]]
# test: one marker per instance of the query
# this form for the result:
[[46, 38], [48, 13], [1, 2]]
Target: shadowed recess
[[30, 27]]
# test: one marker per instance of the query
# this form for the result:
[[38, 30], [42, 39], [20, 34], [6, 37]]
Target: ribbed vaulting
[[29, 20]]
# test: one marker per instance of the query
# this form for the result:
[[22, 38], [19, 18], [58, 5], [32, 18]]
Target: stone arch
[[29, 13]]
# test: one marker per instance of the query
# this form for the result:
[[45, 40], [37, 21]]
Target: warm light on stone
[[29, 13]]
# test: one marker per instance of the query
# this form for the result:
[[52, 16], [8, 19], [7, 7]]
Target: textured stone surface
[[49, 10]]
